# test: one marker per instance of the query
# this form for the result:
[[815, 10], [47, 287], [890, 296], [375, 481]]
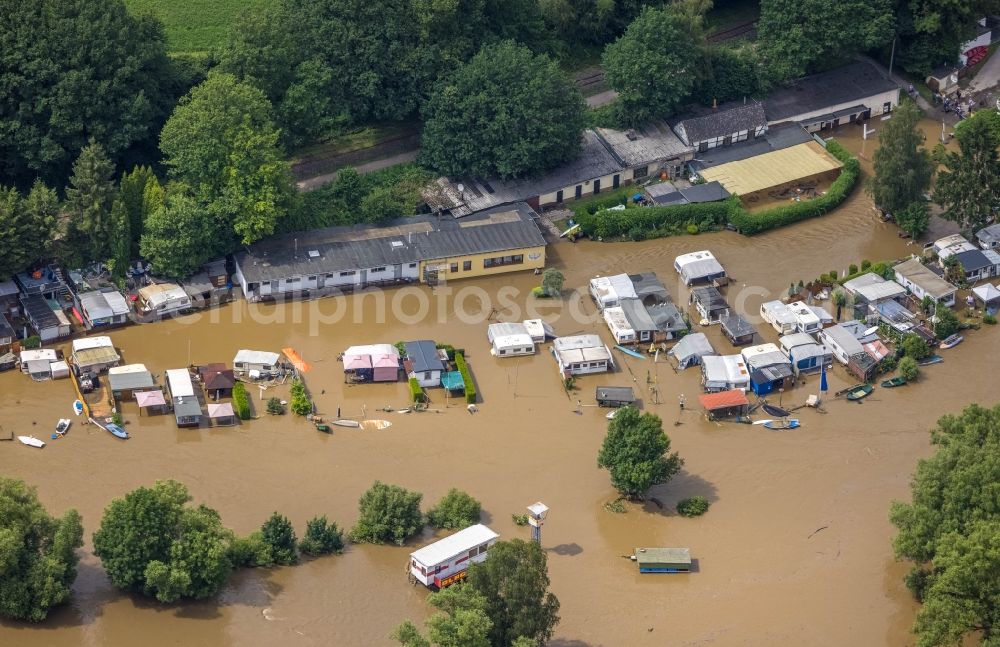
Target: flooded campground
[[795, 549]]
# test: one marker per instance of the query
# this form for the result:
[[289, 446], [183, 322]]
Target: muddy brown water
[[795, 549]]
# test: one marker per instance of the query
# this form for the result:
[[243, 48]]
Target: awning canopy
[[150, 398], [723, 400], [221, 410]]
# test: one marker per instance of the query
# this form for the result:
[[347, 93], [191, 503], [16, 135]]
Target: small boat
[[786, 423], [116, 430], [325, 428], [402, 410], [860, 391], [894, 382], [63, 426], [762, 422], [933, 359], [375, 425], [630, 352], [346, 423], [77, 407], [611, 414], [951, 342], [772, 410], [31, 441]]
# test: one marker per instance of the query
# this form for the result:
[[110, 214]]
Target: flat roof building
[[581, 355]]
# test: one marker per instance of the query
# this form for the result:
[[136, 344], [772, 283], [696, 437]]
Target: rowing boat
[[116, 431], [785, 423], [951, 341], [346, 423], [375, 425], [933, 359], [894, 382], [31, 441], [860, 391], [77, 407], [630, 352], [63, 426]]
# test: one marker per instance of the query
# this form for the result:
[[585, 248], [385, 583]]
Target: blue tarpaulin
[[452, 380]]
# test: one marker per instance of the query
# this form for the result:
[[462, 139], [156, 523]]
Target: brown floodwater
[[795, 549]]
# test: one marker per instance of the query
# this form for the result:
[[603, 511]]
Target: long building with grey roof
[[424, 248]]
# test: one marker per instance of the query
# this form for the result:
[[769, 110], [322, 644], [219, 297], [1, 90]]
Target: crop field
[[194, 26]]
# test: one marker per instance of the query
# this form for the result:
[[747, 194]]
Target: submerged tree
[[635, 452], [902, 166], [37, 553], [454, 511], [279, 534], [951, 532], [152, 543], [387, 513]]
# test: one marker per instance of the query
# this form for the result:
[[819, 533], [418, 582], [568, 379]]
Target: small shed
[[222, 414], [690, 349], [217, 380], [989, 237], [151, 402], [614, 396], [7, 335], [737, 330], [59, 370], [863, 366], [663, 560], [126, 380], [988, 295], [424, 363], [385, 365], [725, 404], [187, 412]]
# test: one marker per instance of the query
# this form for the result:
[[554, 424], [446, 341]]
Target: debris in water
[[817, 530]]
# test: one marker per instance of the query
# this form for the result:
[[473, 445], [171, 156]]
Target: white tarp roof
[[695, 265], [506, 329], [88, 343], [581, 348], [127, 368], [986, 292], [180, 383], [161, 293], [445, 549], [255, 357]]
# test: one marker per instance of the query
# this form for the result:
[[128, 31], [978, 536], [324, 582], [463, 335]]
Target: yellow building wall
[[534, 258]]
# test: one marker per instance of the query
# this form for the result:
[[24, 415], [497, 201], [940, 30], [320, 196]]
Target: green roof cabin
[[663, 560]]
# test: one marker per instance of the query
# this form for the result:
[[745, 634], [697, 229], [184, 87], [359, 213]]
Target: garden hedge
[[640, 223], [241, 401], [416, 391], [470, 386]]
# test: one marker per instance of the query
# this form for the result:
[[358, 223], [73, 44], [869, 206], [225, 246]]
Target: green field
[[194, 26]]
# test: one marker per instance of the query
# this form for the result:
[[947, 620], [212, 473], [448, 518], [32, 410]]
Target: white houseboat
[[446, 561]]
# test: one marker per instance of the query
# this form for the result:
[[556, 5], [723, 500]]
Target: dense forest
[[111, 149]]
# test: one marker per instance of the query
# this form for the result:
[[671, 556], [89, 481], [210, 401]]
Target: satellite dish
[[461, 187]]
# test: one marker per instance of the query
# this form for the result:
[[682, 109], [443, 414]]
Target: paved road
[[601, 99], [375, 165], [988, 75]]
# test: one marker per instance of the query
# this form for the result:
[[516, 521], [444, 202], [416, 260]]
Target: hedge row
[[416, 391], [752, 223], [241, 401], [639, 223], [470, 386]]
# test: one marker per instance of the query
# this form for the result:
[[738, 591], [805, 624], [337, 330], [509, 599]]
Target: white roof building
[[581, 354], [251, 358], [873, 288], [90, 343], [841, 342], [763, 355], [698, 266], [451, 555], [179, 383], [510, 339], [922, 282], [539, 330], [805, 319], [779, 315], [164, 297]]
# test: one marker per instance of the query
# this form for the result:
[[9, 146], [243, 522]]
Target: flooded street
[[795, 549]]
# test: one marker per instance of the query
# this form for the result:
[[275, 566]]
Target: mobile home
[[446, 561], [509, 340], [619, 326], [609, 291], [724, 373], [699, 267], [581, 355], [187, 409], [779, 315], [254, 362], [163, 299]]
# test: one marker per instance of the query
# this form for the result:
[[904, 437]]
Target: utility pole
[[892, 55]]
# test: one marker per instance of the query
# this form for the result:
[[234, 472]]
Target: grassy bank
[[195, 26]]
